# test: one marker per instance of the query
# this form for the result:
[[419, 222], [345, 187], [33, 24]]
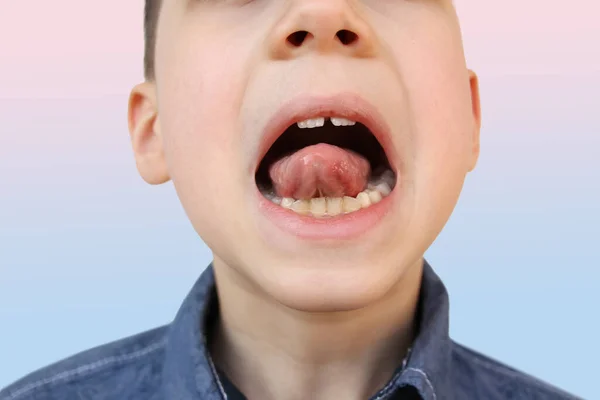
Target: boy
[[318, 148]]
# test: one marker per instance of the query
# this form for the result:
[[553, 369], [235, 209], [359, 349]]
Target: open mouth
[[326, 167]]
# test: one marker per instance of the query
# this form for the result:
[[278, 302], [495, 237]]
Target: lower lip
[[342, 227]]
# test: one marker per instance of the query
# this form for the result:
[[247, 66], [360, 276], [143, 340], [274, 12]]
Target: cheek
[[199, 94], [438, 92], [200, 87], [442, 117]]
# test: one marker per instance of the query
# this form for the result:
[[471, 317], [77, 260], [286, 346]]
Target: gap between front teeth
[[332, 206], [320, 122]]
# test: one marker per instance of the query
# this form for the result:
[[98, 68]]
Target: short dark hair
[[151, 12]]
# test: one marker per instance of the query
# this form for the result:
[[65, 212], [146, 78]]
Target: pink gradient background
[[89, 253]]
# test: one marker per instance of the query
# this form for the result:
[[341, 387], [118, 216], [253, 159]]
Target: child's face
[[225, 69]]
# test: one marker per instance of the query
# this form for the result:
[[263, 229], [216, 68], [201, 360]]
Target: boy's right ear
[[146, 138]]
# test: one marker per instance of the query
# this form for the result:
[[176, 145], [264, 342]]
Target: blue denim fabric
[[172, 363]]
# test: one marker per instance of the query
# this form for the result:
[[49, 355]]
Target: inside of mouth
[[356, 139]]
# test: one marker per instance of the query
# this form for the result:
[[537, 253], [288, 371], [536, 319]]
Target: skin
[[299, 318]]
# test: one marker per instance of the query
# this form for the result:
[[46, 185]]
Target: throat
[[313, 367], [273, 352]]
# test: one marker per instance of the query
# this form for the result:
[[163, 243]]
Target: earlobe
[[146, 138], [476, 109]]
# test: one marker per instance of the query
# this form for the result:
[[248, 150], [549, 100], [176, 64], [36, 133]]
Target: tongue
[[320, 170]]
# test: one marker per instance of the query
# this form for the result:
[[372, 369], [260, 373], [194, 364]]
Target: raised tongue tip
[[320, 169]]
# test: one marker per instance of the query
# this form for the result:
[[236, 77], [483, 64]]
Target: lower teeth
[[321, 207]]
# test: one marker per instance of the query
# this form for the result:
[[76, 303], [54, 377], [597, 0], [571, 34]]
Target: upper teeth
[[312, 123], [319, 122], [342, 122]]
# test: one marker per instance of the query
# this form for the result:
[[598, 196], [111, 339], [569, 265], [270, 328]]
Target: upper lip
[[345, 105]]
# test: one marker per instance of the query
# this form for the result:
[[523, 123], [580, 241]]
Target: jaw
[[318, 279]]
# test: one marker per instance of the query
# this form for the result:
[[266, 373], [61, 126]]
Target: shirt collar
[[428, 367], [189, 371]]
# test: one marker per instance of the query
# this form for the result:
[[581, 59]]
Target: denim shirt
[[172, 362]]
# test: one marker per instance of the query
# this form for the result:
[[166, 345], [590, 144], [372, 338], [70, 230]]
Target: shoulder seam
[[508, 372], [85, 369]]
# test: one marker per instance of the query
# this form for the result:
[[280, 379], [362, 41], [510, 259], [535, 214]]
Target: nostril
[[297, 38], [347, 37]]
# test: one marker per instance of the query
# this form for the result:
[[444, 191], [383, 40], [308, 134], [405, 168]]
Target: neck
[[273, 352]]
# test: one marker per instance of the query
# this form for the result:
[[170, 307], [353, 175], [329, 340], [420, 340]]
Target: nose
[[324, 26]]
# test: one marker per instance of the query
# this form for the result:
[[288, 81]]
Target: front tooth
[[287, 202], [301, 206], [311, 123], [384, 189], [318, 206], [342, 121], [363, 198], [351, 204], [334, 206]]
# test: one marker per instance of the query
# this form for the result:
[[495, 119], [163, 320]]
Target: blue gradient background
[[89, 253]]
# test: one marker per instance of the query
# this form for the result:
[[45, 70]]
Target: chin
[[319, 285]]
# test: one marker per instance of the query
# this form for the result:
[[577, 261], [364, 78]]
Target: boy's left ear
[[146, 138], [476, 107]]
